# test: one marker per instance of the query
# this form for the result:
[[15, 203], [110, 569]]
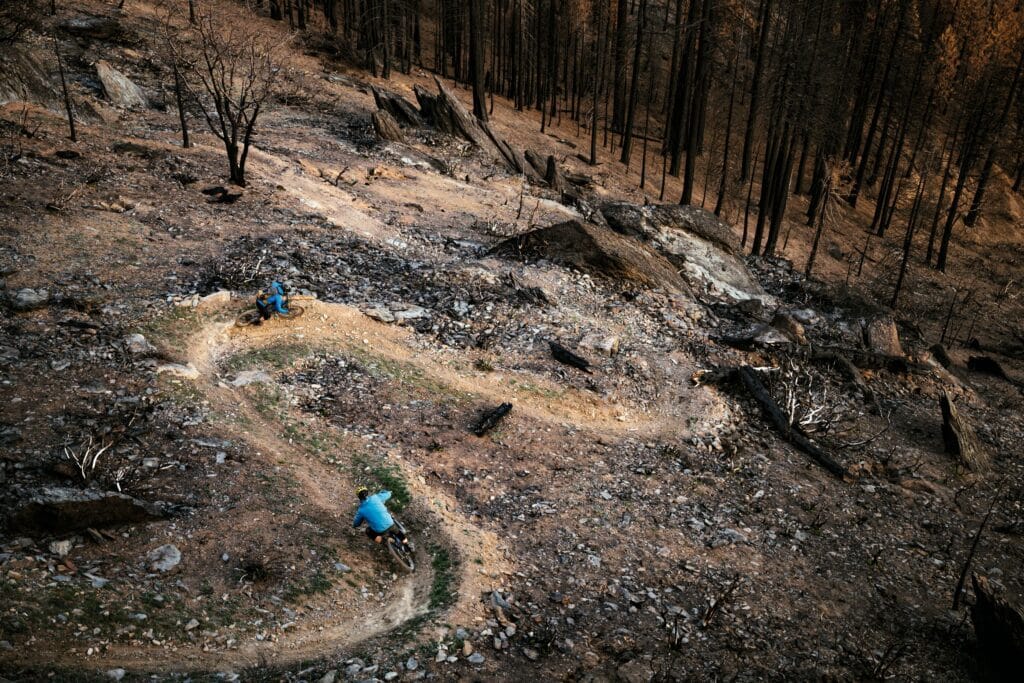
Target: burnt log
[[791, 433], [567, 357], [987, 366], [396, 105], [941, 355], [553, 176], [450, 116], [538, 163], [490, 419], [959, 437], [386, 127], [1000, 630]]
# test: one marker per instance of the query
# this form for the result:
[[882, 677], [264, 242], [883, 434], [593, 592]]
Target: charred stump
[[1000, 629], [959, 437], [386, 127]]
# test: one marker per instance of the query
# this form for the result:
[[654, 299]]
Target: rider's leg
[[263, 309], [373, 535]]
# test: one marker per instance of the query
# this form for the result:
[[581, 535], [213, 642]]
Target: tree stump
[[883, 338], [1000, 629], [398, 107], [959, 436], [386, 127], [554, 177]]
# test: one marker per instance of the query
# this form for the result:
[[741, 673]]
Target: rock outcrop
[[596, 250], [119, 89]]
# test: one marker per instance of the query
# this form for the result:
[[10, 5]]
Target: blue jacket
[[375, 513], [273, 298]]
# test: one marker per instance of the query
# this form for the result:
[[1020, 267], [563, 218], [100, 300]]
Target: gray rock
[[247, 377], [411, 312], [608, 346], [391, 675], [60, 548], [221, 296], [192, 624], [379, 312], [120, 89], [330, 676], [136, 344], [62, 509], [342, 567], [116, 674], [30, 299], [635, 671], [412, 664], [475, 658], [531, 654], [163, 559], [178, 370], [9, 354]]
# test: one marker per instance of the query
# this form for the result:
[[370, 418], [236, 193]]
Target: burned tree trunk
[[386, 127], [959, 436], [490, 419], [567, 357], [1000, 629]]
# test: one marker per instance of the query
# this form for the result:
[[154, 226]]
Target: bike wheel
[[248, 318], [293, 312], [401, 555]]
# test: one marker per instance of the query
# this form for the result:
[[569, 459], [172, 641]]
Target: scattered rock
[[247, 377], [789, 326], [137, 345], [178, 370], [609, 346], [635, 671], [192, 624], [62, 509], [30, 299], [380, 312], [116, 674], [220, 297], [329, 676], [412, 664], [60, 548], [163, 559], [475, 658]]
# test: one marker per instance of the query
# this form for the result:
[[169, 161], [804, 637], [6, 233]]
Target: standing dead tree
[[229, 66]]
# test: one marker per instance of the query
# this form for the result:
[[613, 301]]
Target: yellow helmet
[[362, 492]]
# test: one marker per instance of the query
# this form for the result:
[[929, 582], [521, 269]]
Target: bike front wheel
[[248, 318], [402, 554]]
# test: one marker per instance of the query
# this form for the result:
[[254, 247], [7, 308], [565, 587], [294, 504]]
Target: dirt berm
[[595, 250]]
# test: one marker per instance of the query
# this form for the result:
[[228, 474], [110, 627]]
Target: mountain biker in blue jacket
[[271, 300], [374, 512]]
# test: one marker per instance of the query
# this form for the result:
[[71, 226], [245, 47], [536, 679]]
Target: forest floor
[[628, 524]]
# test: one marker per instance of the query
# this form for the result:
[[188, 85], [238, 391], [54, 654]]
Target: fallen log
[[790, 433], [959, 437], [987, 366], [1000, 630], [538, 163], [490, 419], [567, 357], [940, 354]]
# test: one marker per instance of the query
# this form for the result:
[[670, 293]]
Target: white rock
[[609, 346], [60, 548], [221, 296], [164, 559], [115, 674], [178, 370], [119, 89], [137, 344], [380, 313], [30, 299], [247, 377], [192, 623]]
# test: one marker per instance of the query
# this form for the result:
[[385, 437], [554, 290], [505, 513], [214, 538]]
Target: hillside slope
[[639, 521]]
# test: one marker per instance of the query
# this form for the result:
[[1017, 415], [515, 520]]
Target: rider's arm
[[384, 495], [358, 520]]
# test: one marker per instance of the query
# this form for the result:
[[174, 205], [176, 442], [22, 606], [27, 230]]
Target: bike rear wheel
[[293, 312], [401, 554], [248, 318]]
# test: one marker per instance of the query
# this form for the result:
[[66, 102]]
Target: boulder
[[163, 559], [120, 89], [595, 250], [699, 245], [63, 509], [178, 370], [247, 377], [105, 29], [30, 299], [138, 345]]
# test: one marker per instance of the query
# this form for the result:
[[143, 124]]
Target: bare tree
[[229, 65]]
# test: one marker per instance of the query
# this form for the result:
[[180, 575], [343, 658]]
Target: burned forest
[[624, 341]]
